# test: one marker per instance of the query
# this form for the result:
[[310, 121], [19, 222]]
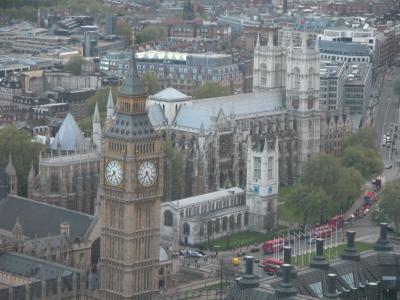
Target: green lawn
[[330, 253], [239, 239]]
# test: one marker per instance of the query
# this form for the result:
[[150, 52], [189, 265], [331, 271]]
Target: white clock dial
[[114, 173], [147, 173]]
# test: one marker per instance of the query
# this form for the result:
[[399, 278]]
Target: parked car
[[195, 254], [254, 249]]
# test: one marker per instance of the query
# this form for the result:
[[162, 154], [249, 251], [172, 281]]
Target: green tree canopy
[[173, 172], [124, 29], [150, 33], [24, 152], [365, 137], [210, 90], [342, 185], [348, 189], [150, 83], [366, 160], [74, 65], [322, 171], [309, 203], [390, 203]]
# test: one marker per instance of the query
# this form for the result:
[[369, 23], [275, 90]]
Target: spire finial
[[258, 41], [304, 41], [96, 115], [316, 48]]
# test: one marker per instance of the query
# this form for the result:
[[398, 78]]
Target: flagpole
[[309, 253], [336, 244], [294, 247]]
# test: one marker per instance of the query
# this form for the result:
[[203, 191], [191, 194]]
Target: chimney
[[248, 280], [64, 228], [383, 244], [287, 260], [350, 252], [331, 287], [319, 261], [285, 288], [372, 291]]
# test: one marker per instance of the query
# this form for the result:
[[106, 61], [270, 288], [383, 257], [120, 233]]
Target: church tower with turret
[[12, 177], [131, 186]]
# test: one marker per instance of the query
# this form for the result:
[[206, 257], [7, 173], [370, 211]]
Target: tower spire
[[270, 40], [258, 41], [12, 176], [304, 41], [110, 106], [96, 129]]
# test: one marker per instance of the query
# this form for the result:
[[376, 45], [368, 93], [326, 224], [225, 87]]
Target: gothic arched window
[[209, 228], [295, 102], [232, 222], [239, 220], [224, 223], [168, 218], [186, 229], [310, 78], [296, 73], [217, 225], [246, 218], [277, 78], [310, 102], [263, 70]]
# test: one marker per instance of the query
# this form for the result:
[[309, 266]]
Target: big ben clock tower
[[130, 189]]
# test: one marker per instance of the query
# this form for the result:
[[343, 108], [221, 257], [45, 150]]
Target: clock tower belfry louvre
[[130, 192]]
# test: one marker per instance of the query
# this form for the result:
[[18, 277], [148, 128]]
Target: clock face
[[147, 173], [114, 173]]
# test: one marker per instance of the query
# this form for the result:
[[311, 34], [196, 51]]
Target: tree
[[309, 203], [210, 90], [322, 171], [396, 89], [365, 160], [365, 137], [125, 30], [342, 185], [150, 83], [348, 188], [390, 203], [149, 34], [173, 172], [24, 153], [74, 65]]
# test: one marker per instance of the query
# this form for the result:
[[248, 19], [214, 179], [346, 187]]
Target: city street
[[386, 117]]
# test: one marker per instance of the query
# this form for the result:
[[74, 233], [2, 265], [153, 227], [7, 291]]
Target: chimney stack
[[287, 251], [285, 288], [350, 252], [372, 291], [331, 290], [319, 261], [383, 244], [248, 280]]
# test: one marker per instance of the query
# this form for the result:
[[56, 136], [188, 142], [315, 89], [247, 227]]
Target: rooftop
[[170, 95], [341, 48], [40, 219], [202, 111], [69, 137], [207, 197]]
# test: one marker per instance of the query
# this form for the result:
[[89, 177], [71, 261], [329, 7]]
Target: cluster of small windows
[[144, 148], [345, 58], [117, 147]]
